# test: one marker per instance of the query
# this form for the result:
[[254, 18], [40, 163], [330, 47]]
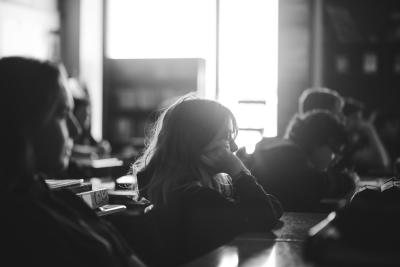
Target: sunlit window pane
[[164, 29], [161, 29], [247, 49], [248, 37]]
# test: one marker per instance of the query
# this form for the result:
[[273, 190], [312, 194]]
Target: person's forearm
[[249, 192], [377, 147]]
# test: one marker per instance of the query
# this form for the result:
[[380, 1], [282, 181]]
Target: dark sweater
[[199, 219], [284, 169], [43, 228]]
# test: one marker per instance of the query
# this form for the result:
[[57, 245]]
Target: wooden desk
[[282, 247]]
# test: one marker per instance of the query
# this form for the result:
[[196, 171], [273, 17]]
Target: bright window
[[237, 38], [27, 30], [247, 77]]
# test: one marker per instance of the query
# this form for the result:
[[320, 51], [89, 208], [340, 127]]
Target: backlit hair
[[171, 158], [320, 98]]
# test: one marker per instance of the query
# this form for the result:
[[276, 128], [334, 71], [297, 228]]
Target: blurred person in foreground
[[43, 227]]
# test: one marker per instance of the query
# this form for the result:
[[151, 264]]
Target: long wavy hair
[[171, 159]]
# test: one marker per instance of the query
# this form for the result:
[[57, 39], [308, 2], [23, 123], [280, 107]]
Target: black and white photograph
[[200, 133]]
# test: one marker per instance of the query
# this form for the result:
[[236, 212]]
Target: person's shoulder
[[276, 143], [270, 142], [283, 157], [278, 146]]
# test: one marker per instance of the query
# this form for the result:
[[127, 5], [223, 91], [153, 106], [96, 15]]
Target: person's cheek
[[227, 145]]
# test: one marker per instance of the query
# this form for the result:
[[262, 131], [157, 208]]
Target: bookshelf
[[135, 89], [361, 47]]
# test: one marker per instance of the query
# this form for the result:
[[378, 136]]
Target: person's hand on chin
[[220, 159]]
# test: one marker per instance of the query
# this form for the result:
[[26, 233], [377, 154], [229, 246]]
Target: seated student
[[181, 173], [85, 146], [367, 151], [318, 98], [40, 227], [296, 169], [364, 154], [387, 124]]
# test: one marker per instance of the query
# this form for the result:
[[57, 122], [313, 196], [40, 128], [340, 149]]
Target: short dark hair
[[319, 98], [317, 128]]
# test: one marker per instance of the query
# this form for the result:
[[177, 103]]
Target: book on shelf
[[74, 185], [95, 198]]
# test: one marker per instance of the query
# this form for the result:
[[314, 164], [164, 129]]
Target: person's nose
[[73, 126], [233, 146]]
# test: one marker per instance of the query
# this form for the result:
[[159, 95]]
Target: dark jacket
[[284, 169], [198, 219], [43, 228]]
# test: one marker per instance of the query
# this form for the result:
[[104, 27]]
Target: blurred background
[[131, 58]]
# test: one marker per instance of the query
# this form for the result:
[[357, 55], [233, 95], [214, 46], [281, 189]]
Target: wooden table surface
[[281, 247]]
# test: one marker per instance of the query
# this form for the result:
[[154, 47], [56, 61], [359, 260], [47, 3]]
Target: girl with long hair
[[203, 195]]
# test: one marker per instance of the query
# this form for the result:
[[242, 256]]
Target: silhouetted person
[[42, 227], [188, 171], [387, 124], [365, 152], [296, 169], [85, 145]]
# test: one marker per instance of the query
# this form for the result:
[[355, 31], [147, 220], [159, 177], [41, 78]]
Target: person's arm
[[214, 220], [341, 183], [374, 154], [251, 195], [252, 209], [248, 191]]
